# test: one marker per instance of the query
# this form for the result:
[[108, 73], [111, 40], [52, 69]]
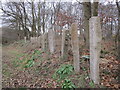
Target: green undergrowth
[[27, 60], [36, 63], [5, 71], [62, 74], [67, 78], [68, 84]]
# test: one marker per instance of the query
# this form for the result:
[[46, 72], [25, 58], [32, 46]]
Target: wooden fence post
[[75, 47], [51, 40], [95, 48]]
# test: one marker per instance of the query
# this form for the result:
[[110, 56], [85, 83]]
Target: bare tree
[[95, 7], [39, 19], [33, 27], [87, 15], [118, 32]]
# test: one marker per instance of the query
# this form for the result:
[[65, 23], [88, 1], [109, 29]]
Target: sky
[[58, 0], [3, 1]]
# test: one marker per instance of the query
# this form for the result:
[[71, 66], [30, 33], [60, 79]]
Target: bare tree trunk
[[95, 8], [65, 44], [118, 33], [33, 20], [39, 20], [43, 24], [111, 29], [87, 15], [95, 48], [25, 22]]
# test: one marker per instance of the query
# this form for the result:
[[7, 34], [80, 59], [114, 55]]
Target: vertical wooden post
[[36, 41], [63, 43], [46, 41], [39, 41], [95, 48], [75, 47], [51, 40], [43, 41]]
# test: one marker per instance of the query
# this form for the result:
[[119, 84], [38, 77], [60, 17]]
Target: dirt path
[[14, 76], [8, 55]]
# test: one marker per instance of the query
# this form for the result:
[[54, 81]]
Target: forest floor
[[35, 68]]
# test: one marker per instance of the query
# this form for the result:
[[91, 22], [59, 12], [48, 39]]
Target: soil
[[40, 75]]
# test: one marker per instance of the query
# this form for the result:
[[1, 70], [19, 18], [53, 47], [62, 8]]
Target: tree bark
[[65, 44], [43, 24], [39, 19], [33, 20], [87, 15], [95, 8], [118, 33]]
